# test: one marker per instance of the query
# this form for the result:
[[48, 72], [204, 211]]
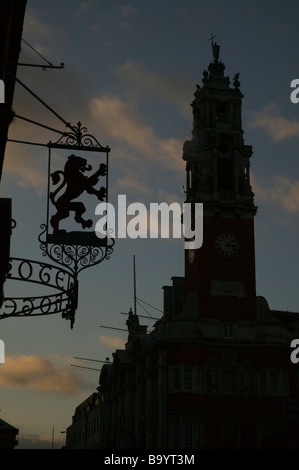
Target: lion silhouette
[[76, 183]]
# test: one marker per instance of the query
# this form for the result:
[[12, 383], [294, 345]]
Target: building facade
[[11, 27], [84, 432], [215, 372]]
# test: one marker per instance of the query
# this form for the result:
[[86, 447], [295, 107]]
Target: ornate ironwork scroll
[[79, 139], [54, 277], [69, 252]]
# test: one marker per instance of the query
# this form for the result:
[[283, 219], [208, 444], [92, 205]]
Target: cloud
[[83, 7], [133, 183], [169, 197], [25, 169], [38, 373], [278, 127], [175, 91], [127, 10], [35, 32], [282, 192], [112, 342], [34, 27], [120, 121], [34, 441]]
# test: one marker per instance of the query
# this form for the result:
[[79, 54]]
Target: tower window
[[225, 174], [220, 112], [225, 141]]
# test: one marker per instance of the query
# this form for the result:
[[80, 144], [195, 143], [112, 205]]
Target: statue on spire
[[215, 47]]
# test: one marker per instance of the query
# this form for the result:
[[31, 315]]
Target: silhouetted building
[[216, 371], [84, 432], [8, 435], [11, 26]]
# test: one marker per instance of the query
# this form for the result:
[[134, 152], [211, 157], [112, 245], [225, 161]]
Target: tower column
[[222, 272]]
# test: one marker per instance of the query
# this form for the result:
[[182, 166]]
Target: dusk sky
[[130, 73]]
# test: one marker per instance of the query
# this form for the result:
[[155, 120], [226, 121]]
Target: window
[[185, 431], [175, 378], [189, 431], [285, 383], [212, 378], [262, 382], [229, 380], [175, 434], [225, 174], [246, 374], [273, 382], [198, 378], [185, 378], [228, 330], [220, 111], [230, 435], [265, 431], [188, 378]]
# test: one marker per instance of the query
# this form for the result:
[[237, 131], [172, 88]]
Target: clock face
[[226, 244]]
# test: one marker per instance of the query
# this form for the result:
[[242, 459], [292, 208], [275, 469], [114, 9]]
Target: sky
[[130, 73]]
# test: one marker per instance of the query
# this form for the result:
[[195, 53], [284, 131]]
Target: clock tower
[[220, 276], [216, 371]]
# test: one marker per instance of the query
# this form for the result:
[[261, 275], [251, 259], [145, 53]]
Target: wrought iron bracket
[[44, 67]]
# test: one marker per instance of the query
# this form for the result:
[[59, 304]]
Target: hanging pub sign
[[73, 189], [77, 181]]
